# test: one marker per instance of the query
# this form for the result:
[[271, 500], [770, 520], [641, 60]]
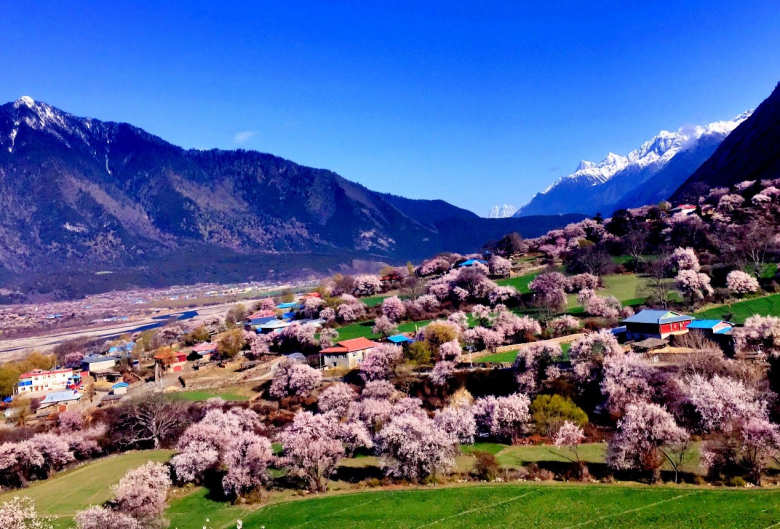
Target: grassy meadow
[[90, 484], [742, 310]]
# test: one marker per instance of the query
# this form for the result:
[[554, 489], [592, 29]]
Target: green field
[[373, 301], [510, 356], [193, 510], [742, 310], [363, 329], [624, 287], [77, 489], [541, 506], [519, 282], [201, 395]]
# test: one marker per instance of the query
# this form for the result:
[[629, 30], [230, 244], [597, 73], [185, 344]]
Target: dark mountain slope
[[79, 195], [751, 152]]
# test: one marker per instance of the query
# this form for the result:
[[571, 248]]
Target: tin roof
[[348, 346], [657, 317]]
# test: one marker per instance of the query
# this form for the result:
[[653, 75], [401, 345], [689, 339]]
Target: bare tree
[[635, 243], [660, 285], [151, 420]]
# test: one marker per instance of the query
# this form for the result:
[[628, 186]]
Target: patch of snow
[[502, 212]]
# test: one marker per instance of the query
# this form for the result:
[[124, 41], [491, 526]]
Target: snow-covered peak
[[27, 101], [502, 212], [656, 151]]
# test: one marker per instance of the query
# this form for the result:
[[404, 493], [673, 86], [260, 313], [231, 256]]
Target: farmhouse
[[348, 353], [61, 399], [171, 361], [40, 380], [711, 327], [685, 209], [260, 317], [656, 324], [98, 363], [205, 350]]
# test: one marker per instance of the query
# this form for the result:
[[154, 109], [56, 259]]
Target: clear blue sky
[[477, 103]]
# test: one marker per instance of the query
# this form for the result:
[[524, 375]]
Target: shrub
[[486, 467], [549, 412]]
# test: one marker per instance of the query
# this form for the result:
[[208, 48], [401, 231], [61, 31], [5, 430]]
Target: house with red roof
[[43, 380], [347, 353], [171, 361]]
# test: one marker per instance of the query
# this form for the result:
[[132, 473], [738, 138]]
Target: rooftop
[[61, 396], [348, 346], [657, 317]]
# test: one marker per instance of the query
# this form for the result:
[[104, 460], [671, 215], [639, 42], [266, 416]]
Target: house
[[287, 306], [685, 209], [260, 317], [470, 262], [122, 350], [347, 353], [171, 361], [273, 326], [650, 323], [61, 399], [205, 350], [98, 363], [399, 339], [120, 388], [716, 330], [711, 327], [42, 380]]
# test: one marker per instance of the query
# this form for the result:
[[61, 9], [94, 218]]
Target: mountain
[[502, 212], [82, 196], [751, 152], [645, 176]]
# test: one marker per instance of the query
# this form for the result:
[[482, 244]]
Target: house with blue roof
[[650, 323], [711, 327], [399, 339], [470, 262]]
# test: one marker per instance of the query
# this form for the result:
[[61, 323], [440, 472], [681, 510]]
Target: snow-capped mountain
[[502, 212], [610, 183]]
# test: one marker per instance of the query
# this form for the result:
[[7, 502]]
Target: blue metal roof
[[704, 324], [60, 396], [286, 305], [399, 338], [657, 317], [120, 385], [470, 262]]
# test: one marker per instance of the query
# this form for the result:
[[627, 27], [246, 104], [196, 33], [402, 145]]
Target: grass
[[90, 484], [373, 301], [541, 506], [201, 395], [363, 329], [742, 310], [519, 282], [510, 356], [194, 509], [491, 448]]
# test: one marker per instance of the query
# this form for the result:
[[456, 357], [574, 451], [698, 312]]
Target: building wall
[[44, 382]]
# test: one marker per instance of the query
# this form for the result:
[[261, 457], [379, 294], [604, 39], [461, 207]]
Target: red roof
[[312, 295], [39, 372], [349, 346]]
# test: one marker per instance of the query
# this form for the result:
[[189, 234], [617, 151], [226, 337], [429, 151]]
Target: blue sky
[[476, 103]]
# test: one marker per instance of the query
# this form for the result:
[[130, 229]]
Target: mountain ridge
[[81, 194]]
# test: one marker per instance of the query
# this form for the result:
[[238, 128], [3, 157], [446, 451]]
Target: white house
[[40, 380]]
